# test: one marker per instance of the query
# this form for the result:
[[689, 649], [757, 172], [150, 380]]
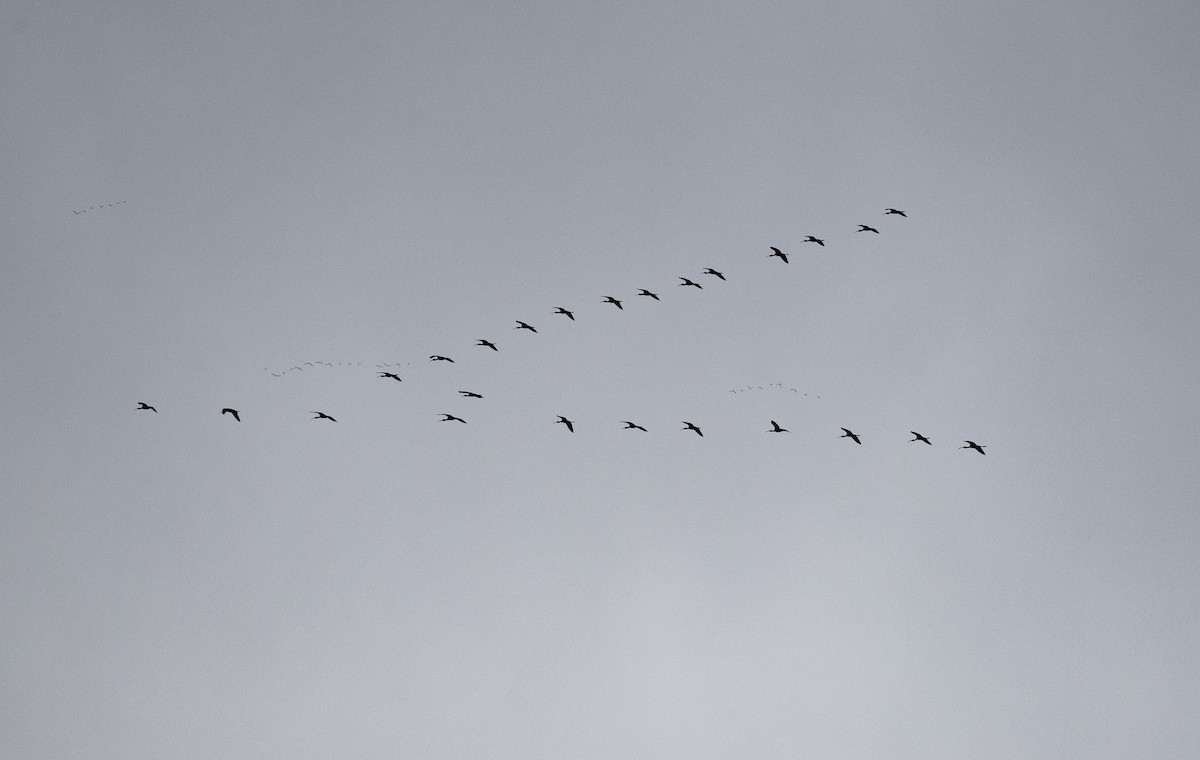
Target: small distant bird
[[632, 426], [563, 420], [973, 445], [688, 282], [451, 417], [144, 405], [488, 343], [614, 302], [714, 273], [644, 292], [322, 416], [522, 326], [436, 358], [895, 211], [778, 253], [234, 412], [392, 375], [561, 310], [920, 438], [811, 239], [852, 436], [776, 429], [690, 426], [866, 228], [470, 394]]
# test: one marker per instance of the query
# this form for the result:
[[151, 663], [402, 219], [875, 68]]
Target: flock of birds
[[628, 425], [93, 208]]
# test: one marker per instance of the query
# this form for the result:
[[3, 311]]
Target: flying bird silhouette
[[632, 426], [451, 418], [895, 211], [714, 273], [973, 445], [692, 427], [776, 429], [689, 283], [866, 228], [392, 375], [486, 343], [561, 310], [234, 412], [811, 239], [920, 438], [322, 416], [470, 394], [852, 436], [563, 420], [436, 358], [522, 326], [644, 292], [778, 253], [614, 302], [143, 405]]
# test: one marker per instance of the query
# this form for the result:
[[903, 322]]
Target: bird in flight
[[811, 239], [776, 429], [392, 375], [470, 394], [688, 282], [488, 343], [866, 228], [920, 438], [973, 445], [614, 302], [632, 426], [714, 273], [852, 436], [144, 405], [644, 292], [436, 358], [561, 310], [779, 254], [322, 416], [234, 412], [895, 211], [691, 426], [451, 417], [523, 326], [563, 420]]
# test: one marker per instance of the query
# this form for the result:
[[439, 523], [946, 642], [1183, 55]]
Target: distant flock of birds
[[93, 208], [628, 425]]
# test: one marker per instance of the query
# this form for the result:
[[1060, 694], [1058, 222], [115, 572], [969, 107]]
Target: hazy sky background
[[377, 182]]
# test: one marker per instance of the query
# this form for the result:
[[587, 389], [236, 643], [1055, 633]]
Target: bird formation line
[[97, 208], [569, 424]]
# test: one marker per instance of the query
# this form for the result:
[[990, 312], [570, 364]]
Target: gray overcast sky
[[369, 183]]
